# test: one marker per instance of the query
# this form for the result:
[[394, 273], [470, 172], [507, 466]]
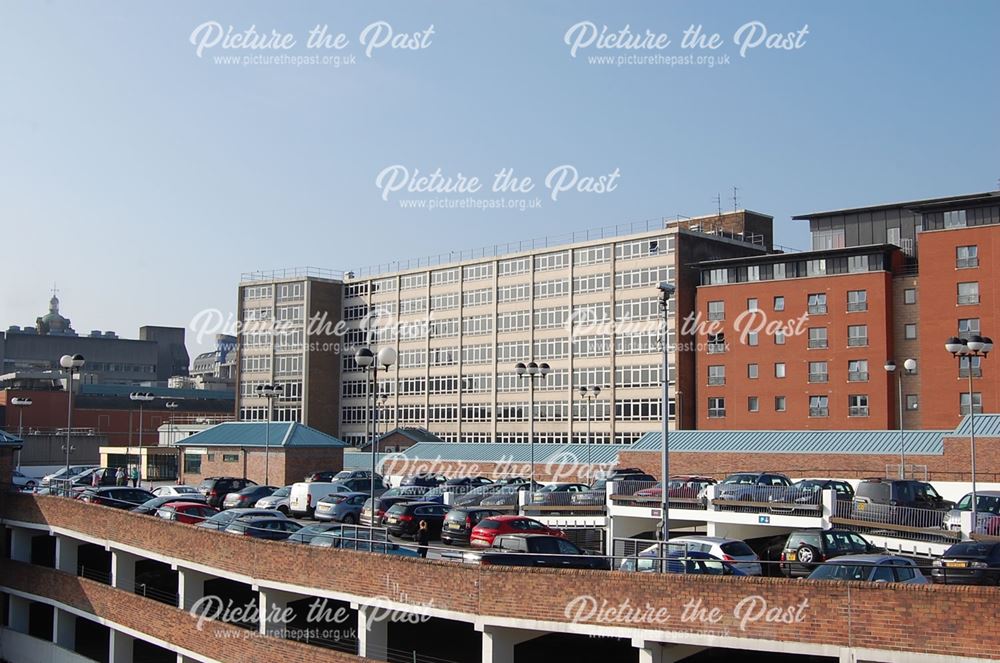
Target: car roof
[[503, 518], [704, 539], [175, 505], [865, 559], [987, 493]]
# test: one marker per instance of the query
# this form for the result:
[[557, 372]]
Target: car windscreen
[[736, 549], [842, 572], [489, 524], [844, 542], [970, 549], [741, 479]]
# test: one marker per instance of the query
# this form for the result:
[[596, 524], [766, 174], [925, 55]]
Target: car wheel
[[30, 485], [284, 510], [807, 555], [349, 519]]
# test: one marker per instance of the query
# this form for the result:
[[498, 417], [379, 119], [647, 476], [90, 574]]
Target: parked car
[[555, 494], [325, 476], [505, 495], [475, 496], [968, 563], [23, 481], [383, 504], [118, 497], [403, 519], [222, 519], [105, 477], [247, 497], [216, 488], [470, 482], [270, 528], [422, 479], [150, 506], [409, 491], [679, 561], [683, 487], [276, 500], [877, 500], [597, 495], [190, 513], [871, 568], [489, 528], [729, 550], [987, 507], [458, 523], [751, 486], [540, 551], [808, 492], [164, 491], [341, 475], [804, 550], [305, 495], [341, 507], [306, 534], [61, 473], [361, 540]]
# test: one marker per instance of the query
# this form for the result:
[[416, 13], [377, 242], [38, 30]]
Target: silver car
[[987, 507], [276, 500], [870, 568]]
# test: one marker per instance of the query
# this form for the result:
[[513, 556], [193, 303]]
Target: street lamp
[[974, 346], [171, 442], [589, 394], [140, 397], [73, 365], [909, 366], [20, 404], [369, 361], [270, 392], [667, 290], [533, 372]]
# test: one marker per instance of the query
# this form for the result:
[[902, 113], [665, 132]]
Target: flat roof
[[986, 196], [804, 255]]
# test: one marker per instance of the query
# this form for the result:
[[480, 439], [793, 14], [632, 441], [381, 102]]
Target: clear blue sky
[[144, 179]]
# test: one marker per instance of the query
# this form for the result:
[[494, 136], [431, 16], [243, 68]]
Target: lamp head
[[544, 369], [910, 365], [955, 346], [667, 289], [532, 368], [520, 368], [975, 344], [387, 356], [596, 390], [364, 357], [890, 366], [987, 345]]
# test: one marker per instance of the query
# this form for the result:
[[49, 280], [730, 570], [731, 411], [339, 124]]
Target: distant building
[[213, 370]]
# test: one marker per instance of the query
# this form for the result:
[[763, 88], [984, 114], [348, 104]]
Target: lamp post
[[139, 397], [72, 364], [369, 361], [270, 392], [171, 406], [20, 404], [589, 394], [908, 367], [533, 372], [974, 346], [667, 291]]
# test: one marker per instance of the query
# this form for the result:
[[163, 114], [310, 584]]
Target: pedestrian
[[95, 479], [423, 537], [120, 477], [135, 476]]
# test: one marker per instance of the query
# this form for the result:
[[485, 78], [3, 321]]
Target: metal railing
[[894, 521], [91, 573], [291, 273], [755, 499], [170, 598]]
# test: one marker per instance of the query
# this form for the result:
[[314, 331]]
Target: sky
[[144, 177]]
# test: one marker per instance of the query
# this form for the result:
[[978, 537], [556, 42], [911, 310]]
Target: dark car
[[404, 519], [247, 497], [508, 495], [458, 523], [383, 504], [540, 550], [188, 512], [879, 500], [633, 479], [362, 484], [106, 477], [680, 561], [215, 489], [686, 486], [222, 519], [149, 507], [411, 491], [264, 527], [119, 497], [307, 533], [424, 479], [751, 486], [804, 550], [808, 492], [969, 563], [340, 475], [475, 496]]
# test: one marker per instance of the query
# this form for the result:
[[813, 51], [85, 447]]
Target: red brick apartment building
[[887, 282]]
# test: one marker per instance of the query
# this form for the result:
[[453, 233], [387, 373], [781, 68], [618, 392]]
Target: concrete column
[[190, 586], [123, 570], [523, 499], [64, 628], [20, 544], [274, 615], [499, 642], [829, 503], [18, 613], [119, 647], [847, 656], [373, 633], [66, 554], [658, 652]]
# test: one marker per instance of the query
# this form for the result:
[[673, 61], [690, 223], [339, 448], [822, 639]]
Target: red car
[[679, 486], [488, 528], [191, 513]]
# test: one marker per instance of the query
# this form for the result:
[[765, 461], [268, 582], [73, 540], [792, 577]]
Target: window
[[477, 297], [412, 281], [966, 256], [752, 371], [644, 247], [964, 364], [857, 300], [779, 370], [753, 338], [716, 310], [753, 404], [640, 278], [977, 402], [716, 375], [968, 327], [230, 458], [779, 338], [857, 370], [910, 296], [818, 371], [857, 405], [514, 293], [716, 408], [548, 318], [968, 293], [555, 288], [477, 272], [551, 261], [515, 266], [415, 305], [443, 302], [779, 403], [910, 331], [592, 256], [443, 276], [192, 463], [779, 303], [819, 406], [857, 335], [716, 343], [591, 283], [954, 219], [912, 402], [477, 354], [817, 304], [752, 304], [817, 337]]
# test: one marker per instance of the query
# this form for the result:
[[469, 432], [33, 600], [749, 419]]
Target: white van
[[304, 496]]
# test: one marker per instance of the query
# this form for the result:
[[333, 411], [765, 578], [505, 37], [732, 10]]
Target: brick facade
[[285, 466]]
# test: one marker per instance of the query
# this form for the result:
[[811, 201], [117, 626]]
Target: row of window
[[639, 409], [819, 406]]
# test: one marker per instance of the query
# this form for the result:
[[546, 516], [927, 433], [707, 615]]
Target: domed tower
[[52, 323]]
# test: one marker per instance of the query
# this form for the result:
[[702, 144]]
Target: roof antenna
[[736, 199], [718, 203]]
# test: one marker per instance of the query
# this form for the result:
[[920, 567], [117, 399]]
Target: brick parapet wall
[[932, 619]]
